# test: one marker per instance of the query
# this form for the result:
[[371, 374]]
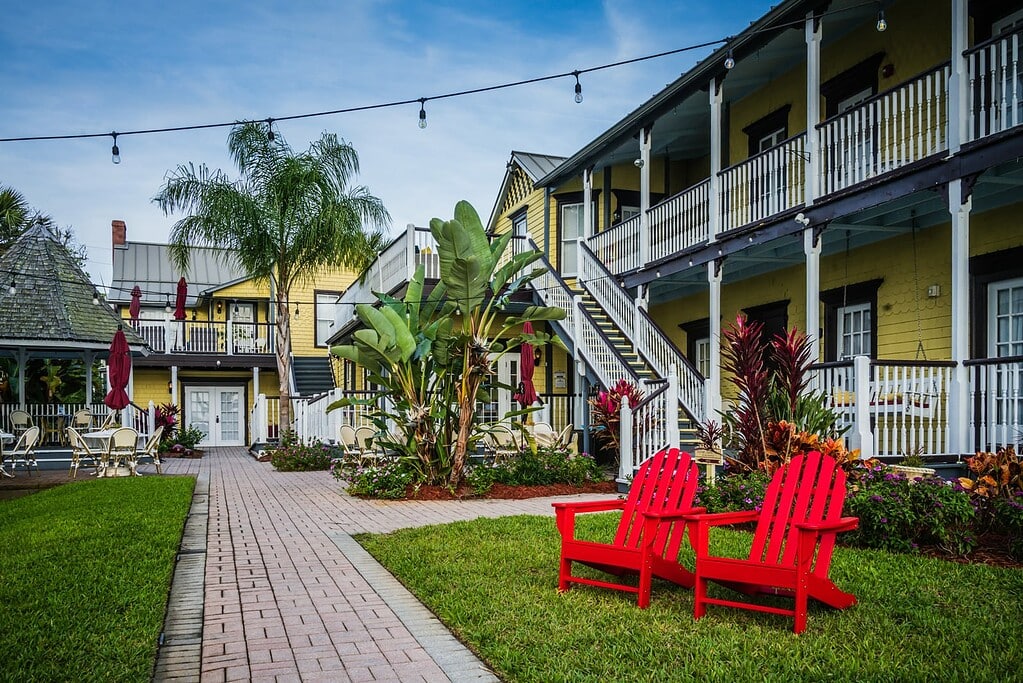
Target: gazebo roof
[[52, 313]]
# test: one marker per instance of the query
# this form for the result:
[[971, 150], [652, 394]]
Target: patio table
[[112, 467]]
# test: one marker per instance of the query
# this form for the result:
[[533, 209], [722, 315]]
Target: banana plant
[[480, 283]]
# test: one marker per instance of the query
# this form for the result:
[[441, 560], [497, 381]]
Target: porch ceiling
[[999, 186]]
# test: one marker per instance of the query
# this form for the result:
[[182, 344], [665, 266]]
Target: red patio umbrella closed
[[136, 304], [527, 395], [179, 303], [119, 365]]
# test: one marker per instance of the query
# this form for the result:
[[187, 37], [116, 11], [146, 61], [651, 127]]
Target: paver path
[[289, 596]]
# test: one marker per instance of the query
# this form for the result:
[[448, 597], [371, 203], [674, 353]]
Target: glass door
[[217, 413]]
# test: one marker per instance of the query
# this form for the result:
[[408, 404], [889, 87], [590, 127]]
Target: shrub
[[544, 467], [1007, 516], [296, 457], [734, 491], [606, 414], [167, 417], [184, 442], [388, 479]]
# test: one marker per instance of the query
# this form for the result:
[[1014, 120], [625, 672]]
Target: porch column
[[813, 105], [958, 91], [812, 249], [641, 301], [587, 219], [255, 381], [644, 196], [174, 384], [958, 399], [712, 386], [90, 358], [22, 363], [714, 205]]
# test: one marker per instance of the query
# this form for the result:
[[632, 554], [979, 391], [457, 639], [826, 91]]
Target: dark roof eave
[[693, 80]]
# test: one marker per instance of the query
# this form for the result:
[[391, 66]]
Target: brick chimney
[[118, 233]]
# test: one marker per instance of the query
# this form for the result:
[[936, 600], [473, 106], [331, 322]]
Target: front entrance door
[[217, 412], [507, 374]]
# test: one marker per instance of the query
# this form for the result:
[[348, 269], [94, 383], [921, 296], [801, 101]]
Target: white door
[[508, 374], [1005, 338], [217, 412], [243, 315]]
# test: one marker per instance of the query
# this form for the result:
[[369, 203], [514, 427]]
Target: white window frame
[[326, 313], [993, 317], [864, 331], [701, 351], [771, 139], [1007, 23]]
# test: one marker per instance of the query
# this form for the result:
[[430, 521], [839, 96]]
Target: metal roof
[[151, 268], [51, 311], [533, 165]]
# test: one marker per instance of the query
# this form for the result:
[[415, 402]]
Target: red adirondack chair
[[792, 545], [649, 533]]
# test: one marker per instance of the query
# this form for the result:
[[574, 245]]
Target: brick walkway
[[289, 596]]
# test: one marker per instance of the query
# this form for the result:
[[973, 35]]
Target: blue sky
[[71, 67]]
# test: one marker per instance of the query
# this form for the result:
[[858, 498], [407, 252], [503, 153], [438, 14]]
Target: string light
[[166, 307], [882, 25], [270, 130], [95, 297], [422, 112], [296, 310], [115, 151], [578, 88], [729, 60], [13, 289]]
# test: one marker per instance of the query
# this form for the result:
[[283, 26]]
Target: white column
[[625, 455], [813, 105], [958, 91], [672, 409], [812, 249], [255, 381], [644, 197], [22, 369], [587, 218], [174, 383], [715, 160], [90, 358], [862, 436], [712, 387], [410, 251], [959, 405]]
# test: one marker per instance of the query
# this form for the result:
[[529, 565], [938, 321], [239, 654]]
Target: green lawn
[[494, 583], [84, 575]]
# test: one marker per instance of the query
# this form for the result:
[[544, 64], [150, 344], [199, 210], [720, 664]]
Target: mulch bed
[[506, 492]]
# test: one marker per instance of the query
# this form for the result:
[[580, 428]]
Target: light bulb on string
[[882, 25], [296, 310], [166, 307], [729, 60], [578, 88], [422, 112], [95, 297], [13, 289], [270, 130], [115, 151]]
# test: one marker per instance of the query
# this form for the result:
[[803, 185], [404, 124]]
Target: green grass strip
[[85, 570], [493, 582]]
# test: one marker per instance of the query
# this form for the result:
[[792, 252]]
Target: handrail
[[991, 361], [652, 395], [991, 41], [650, 341]]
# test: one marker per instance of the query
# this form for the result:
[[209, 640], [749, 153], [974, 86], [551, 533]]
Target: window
[[629, 212], [326, 312], [702, 359], [698, 344], [520, 232], [850, 320], [768, 141], [854, 335], [1007, 23], [849, 87], [768, 131], [572, 228], [1005, 318]]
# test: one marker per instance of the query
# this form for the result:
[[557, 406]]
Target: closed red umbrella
[[119, 365], [526, 396], [179, 304], [136, 304]]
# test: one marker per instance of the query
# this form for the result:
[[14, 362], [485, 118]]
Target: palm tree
[[14, 214], [286, 216]]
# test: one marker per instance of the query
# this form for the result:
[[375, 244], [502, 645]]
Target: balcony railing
[[618, 246], [996, 397], [680, 221], [995, 85], [891, 408], [207, 337], [765, 184]]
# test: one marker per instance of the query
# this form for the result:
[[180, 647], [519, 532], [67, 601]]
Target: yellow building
[[216, 361], [848, 169]]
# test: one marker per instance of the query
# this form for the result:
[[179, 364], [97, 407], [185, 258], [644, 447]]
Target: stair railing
[[591, 345], [646, 336], [649, 426]]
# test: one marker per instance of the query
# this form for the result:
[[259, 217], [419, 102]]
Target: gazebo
[[50, 309]]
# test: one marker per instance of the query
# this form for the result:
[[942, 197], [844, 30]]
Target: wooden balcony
[[201, 337]]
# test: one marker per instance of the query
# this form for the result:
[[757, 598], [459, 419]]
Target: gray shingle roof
[[150, 267], [52, 307]]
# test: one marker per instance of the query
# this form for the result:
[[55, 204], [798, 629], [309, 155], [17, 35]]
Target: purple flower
[[876, 498], [884, 520]]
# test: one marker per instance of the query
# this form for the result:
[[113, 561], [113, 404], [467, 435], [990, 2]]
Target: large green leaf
[[403, 338]]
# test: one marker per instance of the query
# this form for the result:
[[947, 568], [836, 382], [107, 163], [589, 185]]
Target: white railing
[[995, 86], [765, 184], [996, 395], [892, 129], [894, 408], [639, 328], [618, 246], [54, 418], [207, 337], [680, 221], [649, 426]]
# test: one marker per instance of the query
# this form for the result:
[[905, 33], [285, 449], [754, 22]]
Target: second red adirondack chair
[[792, 544], [649, 534]]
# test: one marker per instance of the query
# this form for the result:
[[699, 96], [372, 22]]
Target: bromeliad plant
[[434, 356], [606, 413]]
